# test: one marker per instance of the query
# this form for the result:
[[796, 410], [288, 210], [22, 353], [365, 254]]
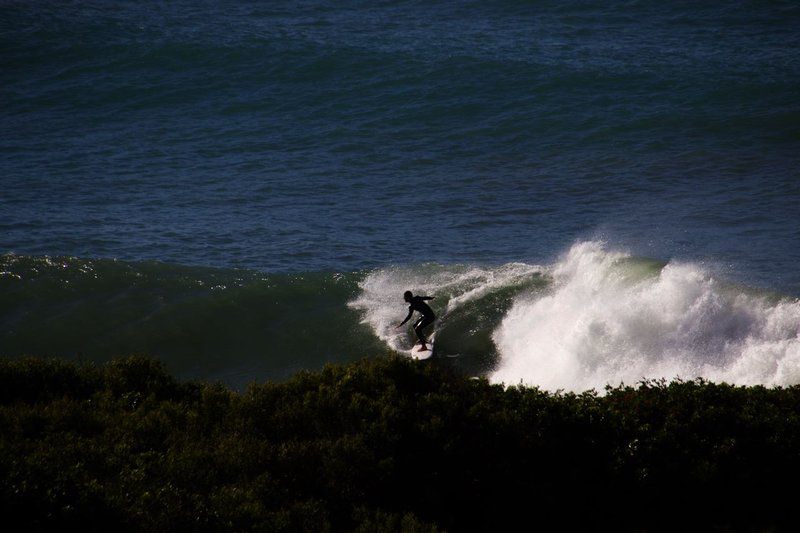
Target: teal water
[[321, 146], [239, 325]]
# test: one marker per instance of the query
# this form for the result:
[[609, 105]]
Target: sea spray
[[610, 318]]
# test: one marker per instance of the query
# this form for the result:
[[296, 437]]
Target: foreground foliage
[[386, 444]]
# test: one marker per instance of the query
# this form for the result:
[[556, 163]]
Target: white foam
[[605, 323], [381, 297]]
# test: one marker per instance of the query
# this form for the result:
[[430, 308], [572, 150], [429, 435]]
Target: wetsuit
[[418, 304]]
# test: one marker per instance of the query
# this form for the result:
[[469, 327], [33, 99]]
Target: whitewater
[[599, 316]]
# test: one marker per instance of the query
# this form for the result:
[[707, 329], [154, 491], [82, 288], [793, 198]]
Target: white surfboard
[[418, 353]]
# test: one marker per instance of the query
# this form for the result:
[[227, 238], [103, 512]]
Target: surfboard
[[418, 353]]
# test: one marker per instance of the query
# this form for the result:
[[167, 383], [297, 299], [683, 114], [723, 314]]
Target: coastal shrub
[[386, 444], [31, 379]]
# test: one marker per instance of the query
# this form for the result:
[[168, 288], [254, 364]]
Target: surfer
[[417, 303]]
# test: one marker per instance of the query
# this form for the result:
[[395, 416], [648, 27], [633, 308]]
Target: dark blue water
[[288, 137]]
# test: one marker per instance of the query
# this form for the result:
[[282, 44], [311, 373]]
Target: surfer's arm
[[410, 312], [426, 297]]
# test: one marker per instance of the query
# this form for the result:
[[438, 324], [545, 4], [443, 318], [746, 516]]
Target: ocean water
[[593, 193]]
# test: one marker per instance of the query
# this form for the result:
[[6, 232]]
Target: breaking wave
[[609, 318]]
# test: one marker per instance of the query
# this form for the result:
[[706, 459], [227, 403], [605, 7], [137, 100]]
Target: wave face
[[232, 325], [609, 318]]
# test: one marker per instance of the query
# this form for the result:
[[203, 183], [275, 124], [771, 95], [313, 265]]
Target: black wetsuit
[[418, 304]]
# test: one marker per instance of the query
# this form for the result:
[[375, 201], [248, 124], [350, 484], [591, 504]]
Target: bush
[[386, 444]]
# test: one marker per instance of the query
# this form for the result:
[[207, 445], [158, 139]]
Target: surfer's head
[[407, 296]]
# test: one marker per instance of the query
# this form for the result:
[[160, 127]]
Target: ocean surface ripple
[[330, 154]]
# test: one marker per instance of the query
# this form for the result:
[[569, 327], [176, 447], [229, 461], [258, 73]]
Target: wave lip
[[612, 318]]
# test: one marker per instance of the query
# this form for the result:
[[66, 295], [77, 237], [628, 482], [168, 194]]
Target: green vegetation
[[386, 444]]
